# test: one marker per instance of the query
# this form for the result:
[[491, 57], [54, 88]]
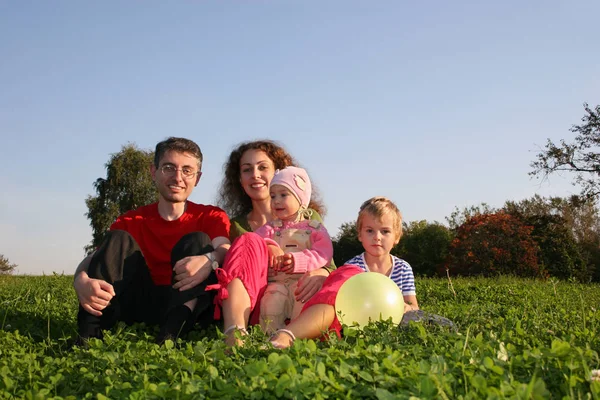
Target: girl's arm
[[320, 254], [275, 252], [266, 231]]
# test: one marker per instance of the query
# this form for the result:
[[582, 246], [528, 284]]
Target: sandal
[[278, 344], [233, 339]]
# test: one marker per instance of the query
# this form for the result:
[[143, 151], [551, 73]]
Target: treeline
[[538, 237]]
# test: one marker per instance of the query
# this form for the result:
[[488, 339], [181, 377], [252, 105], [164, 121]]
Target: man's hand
[[310, 283], [191, 271], [94, 294]]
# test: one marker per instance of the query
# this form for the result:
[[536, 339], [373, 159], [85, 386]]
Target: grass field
[[516, 339]]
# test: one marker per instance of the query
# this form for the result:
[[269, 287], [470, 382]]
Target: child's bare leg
[[236, 310], [296, 305], [273, 307], [310, 324]]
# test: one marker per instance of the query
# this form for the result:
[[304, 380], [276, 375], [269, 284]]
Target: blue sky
[[436, 105]]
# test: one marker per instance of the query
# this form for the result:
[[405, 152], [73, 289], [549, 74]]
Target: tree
[[567, 232], [346, 244], [582, 157], [581, 215], [128, 185], [559, 254], [425, 246], [458, 217], [5, 266], [494, 244]]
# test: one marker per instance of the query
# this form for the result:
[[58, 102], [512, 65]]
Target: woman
[[244, 194]]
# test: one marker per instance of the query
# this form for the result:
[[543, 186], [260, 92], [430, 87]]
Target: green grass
[[516, 339]]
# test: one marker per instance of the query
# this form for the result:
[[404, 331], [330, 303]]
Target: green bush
[[425, 246], [346, 244]]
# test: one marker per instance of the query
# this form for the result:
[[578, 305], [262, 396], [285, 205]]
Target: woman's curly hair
[[232, 197]]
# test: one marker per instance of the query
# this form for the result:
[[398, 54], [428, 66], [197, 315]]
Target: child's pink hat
[[297, 181]]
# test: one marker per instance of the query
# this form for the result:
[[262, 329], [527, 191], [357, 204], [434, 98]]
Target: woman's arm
[[239, 226], [310, 283]]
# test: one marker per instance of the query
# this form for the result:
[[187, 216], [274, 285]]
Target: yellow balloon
[[369, 296]]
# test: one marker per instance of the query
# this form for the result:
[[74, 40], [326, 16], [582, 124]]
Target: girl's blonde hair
[[378, 207]]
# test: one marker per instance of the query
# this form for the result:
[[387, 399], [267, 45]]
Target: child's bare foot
[[282, 338], [233, 335]]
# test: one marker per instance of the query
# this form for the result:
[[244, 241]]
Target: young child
[[296, 245], [379, 227]]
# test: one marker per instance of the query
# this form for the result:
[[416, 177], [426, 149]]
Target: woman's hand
[[310, 283]]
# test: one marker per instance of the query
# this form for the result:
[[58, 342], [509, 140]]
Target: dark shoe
[[79, 342], [422, 316], [86, 332], [161, 338], [88, 325], [178, 323], [82, 341]]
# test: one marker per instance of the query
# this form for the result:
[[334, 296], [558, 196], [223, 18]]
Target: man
[[157, 260]]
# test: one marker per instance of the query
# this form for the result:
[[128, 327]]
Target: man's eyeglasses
[[170, 170]]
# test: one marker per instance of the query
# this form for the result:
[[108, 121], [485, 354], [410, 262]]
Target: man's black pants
[[120, 262]]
